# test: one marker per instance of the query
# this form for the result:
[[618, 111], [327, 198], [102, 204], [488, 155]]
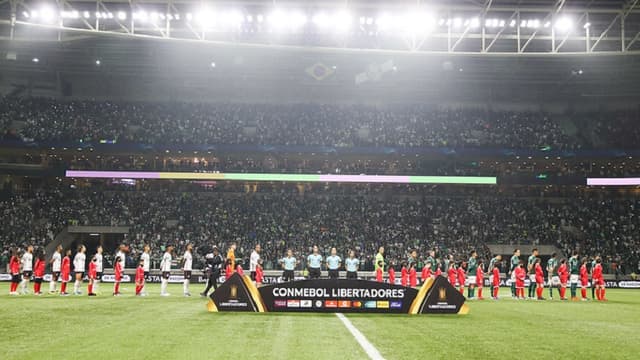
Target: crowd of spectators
[[281, 220], [299, 124]]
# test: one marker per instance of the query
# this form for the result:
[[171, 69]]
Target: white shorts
[[471, 280], [532, 278], [574, 278], [555, 280], [513, 276]]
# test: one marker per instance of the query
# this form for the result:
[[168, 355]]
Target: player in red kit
[[259, 273], [140, 278], [228, 271], [539, 279], [38, 273], [452, 273], [93, 275], [239, 270], [496, 282], [65, 272], [521, 275], [117, 274], [461, 277], [480, 279], [598, 279], [563, 273], [426, 272], [14, 268], [404, 275], [392, 275], [584, 279], [413, 275]]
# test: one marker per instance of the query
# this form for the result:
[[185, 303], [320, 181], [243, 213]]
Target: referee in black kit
[[213, 268]]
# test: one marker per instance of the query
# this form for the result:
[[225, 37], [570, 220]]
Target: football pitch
[[153, 327]]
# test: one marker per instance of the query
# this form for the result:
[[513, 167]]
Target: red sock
[[480, 293], [13, 287], [90, 288], [539, 291], [583, 291], [36, 288], [495, 292], [563, 291], [117, 288], [462, 290], [63, 288], [602, 291]]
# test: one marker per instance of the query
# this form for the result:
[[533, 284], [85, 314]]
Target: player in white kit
[[56, 261], [99, 269], [165, 267], [78, 268], [146, 265], [187, 267], [26, 263]]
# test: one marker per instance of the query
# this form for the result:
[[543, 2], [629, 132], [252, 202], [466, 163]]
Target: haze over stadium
[[380, 179]]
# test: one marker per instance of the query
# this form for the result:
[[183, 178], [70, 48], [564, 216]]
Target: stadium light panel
[[122, 15], [98, 62], [564, 24], [260, 18], [86, 14], [35, 60], [189, 16], [35, 14], [47, 14], [474, 23], [587, 25], [249, 18], [457, 22], [512, 23]]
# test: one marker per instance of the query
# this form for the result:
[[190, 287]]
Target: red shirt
[[259, 274], [438, 271], [453, 274], [597, 272], [413, 277], [426, 273], [117, 269], [404, 276], [38, 270], [563, 273], [14, 265], [521, 274], [65, 268], [496, 277], [461, 276], [92, 270], [140, 275], [239, 270], [379, 275], [584, 274], [228, 272], [539, 272], [479, 276], [392, 276]]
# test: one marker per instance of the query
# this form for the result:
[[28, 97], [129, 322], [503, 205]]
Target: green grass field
[[129, 327]]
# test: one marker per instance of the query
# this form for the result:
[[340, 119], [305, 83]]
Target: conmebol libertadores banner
[[337, 295]]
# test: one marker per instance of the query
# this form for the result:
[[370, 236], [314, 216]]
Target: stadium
[[365, 179]]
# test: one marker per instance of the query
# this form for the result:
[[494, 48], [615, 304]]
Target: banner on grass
[[239, 293]]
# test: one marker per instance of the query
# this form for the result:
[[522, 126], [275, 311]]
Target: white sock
[[76, 286], [23, 285], [144, 289], [52, 286], [163, 287], [95, 285], [185, 286]]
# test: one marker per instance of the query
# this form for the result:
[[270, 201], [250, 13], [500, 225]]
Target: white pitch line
[[373, 353]]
